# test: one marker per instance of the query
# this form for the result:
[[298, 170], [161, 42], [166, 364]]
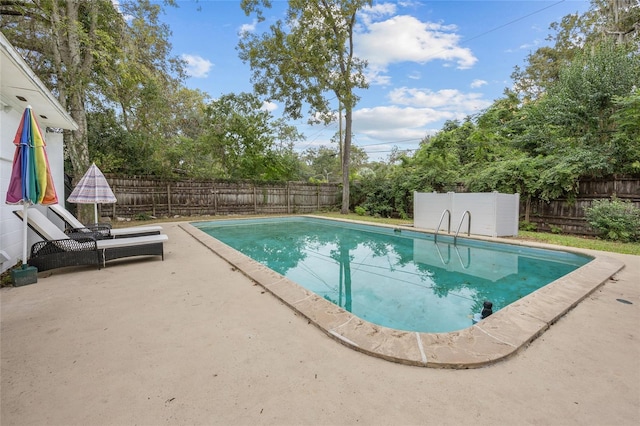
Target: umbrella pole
[[95, 213], [25, 212]]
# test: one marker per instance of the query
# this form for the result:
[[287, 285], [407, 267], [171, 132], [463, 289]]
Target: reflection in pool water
[[402, 280]]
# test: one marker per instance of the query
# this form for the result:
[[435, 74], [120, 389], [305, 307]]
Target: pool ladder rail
[[448, 213], [466, 213], [435, 237]]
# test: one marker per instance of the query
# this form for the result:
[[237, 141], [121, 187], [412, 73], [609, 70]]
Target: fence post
[[169, 198], [255, 200], [288, 199]]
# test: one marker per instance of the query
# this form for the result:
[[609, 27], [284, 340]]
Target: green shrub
[[525, 225], [360, 211], [5, 279], [143, 216], [615, 220], [556, 229]]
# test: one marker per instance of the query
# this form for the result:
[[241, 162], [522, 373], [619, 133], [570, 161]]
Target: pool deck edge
[[495, 338]]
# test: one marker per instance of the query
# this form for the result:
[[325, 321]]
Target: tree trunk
[[78, 148], [73, 63], [345, 160], [77, 143]]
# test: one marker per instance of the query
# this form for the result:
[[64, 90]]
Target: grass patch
[[589, 243], [354, 216]]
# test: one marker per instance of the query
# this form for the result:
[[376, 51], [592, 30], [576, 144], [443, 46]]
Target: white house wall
[[10, 234], [20, 87], [10, 225]]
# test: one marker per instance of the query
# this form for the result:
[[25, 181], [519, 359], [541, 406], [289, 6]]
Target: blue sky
[[429, 61]]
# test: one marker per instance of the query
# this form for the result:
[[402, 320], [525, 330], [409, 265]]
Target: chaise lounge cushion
[[59, 249], [74, 225]]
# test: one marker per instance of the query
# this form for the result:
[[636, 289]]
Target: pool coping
[[495, 338]]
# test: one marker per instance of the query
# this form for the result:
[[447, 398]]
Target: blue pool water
[[395, 278]]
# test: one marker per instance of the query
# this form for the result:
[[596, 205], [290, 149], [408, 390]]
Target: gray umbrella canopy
[[94, 189]]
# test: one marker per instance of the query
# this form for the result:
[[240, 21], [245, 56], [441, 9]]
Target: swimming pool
[[398, 279], [499, 336]]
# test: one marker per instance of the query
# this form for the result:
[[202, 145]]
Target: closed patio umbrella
[[92, 188], [31, 181]]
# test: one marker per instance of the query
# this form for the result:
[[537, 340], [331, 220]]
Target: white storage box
[[492, 214]]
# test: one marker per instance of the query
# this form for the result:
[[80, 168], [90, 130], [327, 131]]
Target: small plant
[[555, 229], [615, 219], [143, 216], [525, 225], [5, 278], [360, 211]]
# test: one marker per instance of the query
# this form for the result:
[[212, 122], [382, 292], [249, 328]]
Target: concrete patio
[[191, 340]]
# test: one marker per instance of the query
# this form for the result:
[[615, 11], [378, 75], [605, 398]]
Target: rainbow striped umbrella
[[31, 181], [92, 188]]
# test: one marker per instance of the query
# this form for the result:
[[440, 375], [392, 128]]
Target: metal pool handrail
[[466, 212], [435, 237]]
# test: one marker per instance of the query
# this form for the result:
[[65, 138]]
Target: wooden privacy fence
[[166, 198], [570, 217]]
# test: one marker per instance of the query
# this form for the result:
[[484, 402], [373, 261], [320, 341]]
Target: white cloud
[[448, 99], [414, 110], [248, 28], [379, 10], [376, 76], [478, 83], [409, 3], [404, 38], [414, 114], [197, 66], [269, 106], [526, 46], [394, 123], [116, 5]]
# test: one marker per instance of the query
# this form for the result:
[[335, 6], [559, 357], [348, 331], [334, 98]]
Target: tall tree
[[61, 41], [321, 163], [544, 65], [89, 54], [245, 141], [307, 57], [617, 21], [626, 138], [581, 107]]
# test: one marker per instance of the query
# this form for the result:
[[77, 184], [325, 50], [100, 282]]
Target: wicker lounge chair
[[73, 225], [59, 250]]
